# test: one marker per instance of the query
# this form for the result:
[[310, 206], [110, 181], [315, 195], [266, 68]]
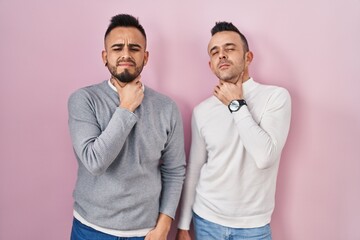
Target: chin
[[226, 78]]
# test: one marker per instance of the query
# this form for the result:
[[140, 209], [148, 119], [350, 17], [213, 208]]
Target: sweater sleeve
[[197, 159], [95, 148], [265, 141], [173, 165]]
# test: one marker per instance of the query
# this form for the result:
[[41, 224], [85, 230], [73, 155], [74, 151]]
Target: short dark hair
[[125, 20], [228, 26]]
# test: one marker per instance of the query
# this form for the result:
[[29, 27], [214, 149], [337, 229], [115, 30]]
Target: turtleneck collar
[[249, 85]]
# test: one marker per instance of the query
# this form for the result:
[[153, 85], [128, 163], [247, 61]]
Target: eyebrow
[[122, 45], [213, 48]]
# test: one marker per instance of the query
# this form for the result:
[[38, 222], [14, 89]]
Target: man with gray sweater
[[128, 140]]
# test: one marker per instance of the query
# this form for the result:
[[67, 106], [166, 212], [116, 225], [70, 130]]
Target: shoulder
[[209, 110], [271, 97], [208, 105], [87, 92], [274, 92], [159, 99]]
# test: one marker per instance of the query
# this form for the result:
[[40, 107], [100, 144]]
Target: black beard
[[126, 76]]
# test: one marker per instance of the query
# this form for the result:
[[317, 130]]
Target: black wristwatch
[[236, 104]]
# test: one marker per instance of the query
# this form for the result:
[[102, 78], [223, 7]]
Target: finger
[[217, 89], [215, 92], [222, 82], [137, 79]]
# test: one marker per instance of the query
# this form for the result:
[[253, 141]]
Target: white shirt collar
[[114, 88]]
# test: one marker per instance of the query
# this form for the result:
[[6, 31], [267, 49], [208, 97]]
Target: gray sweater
[[131, 165]]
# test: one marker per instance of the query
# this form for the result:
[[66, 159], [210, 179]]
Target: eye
[[135, 49], [214, 53]]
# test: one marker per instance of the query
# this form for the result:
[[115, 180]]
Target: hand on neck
[[243, 77]]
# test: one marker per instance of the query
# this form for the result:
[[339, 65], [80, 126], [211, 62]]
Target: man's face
[[227, 56], [125, 54]]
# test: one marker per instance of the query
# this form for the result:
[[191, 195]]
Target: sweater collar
[[249, 85]]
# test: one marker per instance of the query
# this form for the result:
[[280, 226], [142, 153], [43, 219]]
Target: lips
[[126, 64], [224, 65]]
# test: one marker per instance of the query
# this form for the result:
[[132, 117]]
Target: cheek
[[138, 59], [240, 62], [111, 58], [212, 65]]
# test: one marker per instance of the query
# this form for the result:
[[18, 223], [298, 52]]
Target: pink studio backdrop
[[50, 48]]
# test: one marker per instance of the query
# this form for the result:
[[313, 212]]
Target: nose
[[126, 56], [222, 54], [125, 53]]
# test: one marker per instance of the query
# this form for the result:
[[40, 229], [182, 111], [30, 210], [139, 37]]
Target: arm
[[162, 228], [265, 141], [95, 148], [197, 159], [183, 235], [172, 166]]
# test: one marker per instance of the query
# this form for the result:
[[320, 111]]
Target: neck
[[246, 78], [243, 78]]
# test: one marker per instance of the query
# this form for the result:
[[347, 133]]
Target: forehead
[[125, 35], [224, 38]]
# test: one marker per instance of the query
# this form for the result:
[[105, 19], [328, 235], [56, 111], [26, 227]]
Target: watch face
[[234, 105]]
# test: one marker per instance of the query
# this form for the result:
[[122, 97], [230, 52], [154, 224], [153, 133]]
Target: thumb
[[137, 80]]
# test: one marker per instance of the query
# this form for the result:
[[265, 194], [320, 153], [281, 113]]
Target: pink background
[[50, 48]]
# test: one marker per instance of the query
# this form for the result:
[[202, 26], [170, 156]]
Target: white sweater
[[234, 158]]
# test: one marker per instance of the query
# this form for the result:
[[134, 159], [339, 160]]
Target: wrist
[[127, 107], [236, 104], [164, 222]]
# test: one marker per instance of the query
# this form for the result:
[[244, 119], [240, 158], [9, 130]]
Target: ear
[[104, 57], [248, 58], [146, 57], [210, 66]]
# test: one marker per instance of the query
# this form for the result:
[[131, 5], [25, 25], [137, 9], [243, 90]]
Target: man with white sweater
[[237, 138]]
